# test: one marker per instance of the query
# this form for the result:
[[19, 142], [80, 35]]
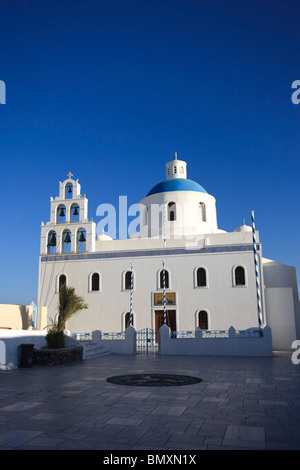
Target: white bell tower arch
[[69, 229]]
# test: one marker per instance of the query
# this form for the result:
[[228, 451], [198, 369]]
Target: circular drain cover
[[153, 380]]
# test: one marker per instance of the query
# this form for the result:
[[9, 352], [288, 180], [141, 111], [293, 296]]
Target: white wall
[[19, 317], [282, 302], [187, 203], [10, 341], [226, 304], [281, 316], [230, 346]]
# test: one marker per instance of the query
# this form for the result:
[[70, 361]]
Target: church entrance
[[170, 320], [146, 342], [147, 339]]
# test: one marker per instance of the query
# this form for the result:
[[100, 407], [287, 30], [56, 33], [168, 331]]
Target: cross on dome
[[69, 175]]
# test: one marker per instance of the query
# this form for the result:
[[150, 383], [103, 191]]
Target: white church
[[177, 268]]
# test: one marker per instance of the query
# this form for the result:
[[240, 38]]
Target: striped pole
[[164, 286], [164, 271], [164, 225], [260, 322], [131, 290]]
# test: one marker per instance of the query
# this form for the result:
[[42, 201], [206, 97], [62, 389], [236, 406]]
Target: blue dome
[[177, 184]]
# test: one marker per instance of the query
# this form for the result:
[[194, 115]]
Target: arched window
[[161, 279], [201, 277], [239, 276], [203, 320], [81, 241], [201, 212], [51, 244], [61, 214], [128, 280], [74, 213], [69, 191], [66, 241], [62, 281], [127, 320], [171, 211], [95, 282]]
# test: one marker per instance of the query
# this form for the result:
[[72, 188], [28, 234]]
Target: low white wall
[[10, 341], [233, 345], [118, 346], [229, 346]]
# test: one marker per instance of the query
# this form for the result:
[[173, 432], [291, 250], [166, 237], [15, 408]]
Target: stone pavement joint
[[241, 403]]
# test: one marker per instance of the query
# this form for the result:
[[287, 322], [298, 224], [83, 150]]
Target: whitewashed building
[[184, 269]]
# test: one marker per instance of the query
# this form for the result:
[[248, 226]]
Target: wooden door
[[170, 320]]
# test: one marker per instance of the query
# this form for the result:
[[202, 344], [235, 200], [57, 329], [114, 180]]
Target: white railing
[[182, 334], [215, 334], [250, 333], [82, 336], [253, 341], [113, 336]]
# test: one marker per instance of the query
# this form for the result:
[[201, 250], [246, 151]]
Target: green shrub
[[55, 339]]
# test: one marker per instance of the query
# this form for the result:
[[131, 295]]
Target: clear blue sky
[[109, 90]]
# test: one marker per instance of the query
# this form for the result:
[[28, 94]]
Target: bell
[[82, 237], [52, 241], [67, 238], [69, 189], [75, 211], [62, 212]]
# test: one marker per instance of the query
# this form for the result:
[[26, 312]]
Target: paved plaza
[[241, 403]]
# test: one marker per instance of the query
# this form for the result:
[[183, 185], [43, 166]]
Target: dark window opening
[[127, 320], [201, 277], [203, 320], [239, 276], [95, 282], [62, 281], [128, 280], [171, 211], [162, 279]]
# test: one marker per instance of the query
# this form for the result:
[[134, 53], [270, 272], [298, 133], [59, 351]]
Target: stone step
[[93, 350]]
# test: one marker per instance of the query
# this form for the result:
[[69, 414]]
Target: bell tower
[[69, 230], [176, 169]]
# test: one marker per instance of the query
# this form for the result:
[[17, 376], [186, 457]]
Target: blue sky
[[109, 90]]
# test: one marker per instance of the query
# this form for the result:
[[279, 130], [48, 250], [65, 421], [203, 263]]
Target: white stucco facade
[[208, 270]]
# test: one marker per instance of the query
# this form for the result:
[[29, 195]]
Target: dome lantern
[[176, 169]]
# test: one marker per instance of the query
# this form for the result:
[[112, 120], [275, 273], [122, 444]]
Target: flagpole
[[164, 271], [258, 289], [164, 286], [131, 289]]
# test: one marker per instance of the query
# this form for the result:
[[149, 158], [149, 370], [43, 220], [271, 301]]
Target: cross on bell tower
[[69, 229]]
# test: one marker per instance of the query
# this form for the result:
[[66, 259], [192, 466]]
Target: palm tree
[[69, 304]]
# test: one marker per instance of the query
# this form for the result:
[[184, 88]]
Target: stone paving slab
[[241, 403]]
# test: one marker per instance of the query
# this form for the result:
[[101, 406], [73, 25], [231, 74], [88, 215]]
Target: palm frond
[[69, 304]]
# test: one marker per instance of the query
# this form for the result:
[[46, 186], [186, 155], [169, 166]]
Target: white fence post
[[130, 338], [164, 334], [96, 336]]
